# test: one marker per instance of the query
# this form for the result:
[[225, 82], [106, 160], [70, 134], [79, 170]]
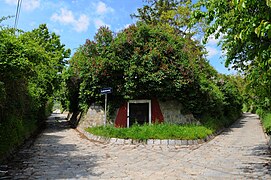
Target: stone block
[[135, 141], [164, 142], [113, 140], [184, 142], [190, 142], [178, 142], [150, 141], [106, 139], [143, 141], [128, 141], [101, 139], [157, 141], [200, 141], [171, 142], [119, 141], [195, 142], [98, 138]]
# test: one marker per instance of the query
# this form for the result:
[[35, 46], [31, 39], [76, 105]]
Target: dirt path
[[62, 153]]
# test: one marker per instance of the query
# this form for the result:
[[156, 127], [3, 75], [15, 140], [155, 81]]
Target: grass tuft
[[154, 131], [266, 121]]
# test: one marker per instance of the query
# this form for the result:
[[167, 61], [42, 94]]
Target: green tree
[[147, 61], [173, 13], [30, 68], [246, 29], [175, 17], [48, 62]]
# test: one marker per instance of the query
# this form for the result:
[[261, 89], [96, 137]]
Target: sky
[[78, 20]]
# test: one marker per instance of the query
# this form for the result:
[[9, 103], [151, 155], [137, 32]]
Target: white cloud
[[82, 23], [127, 25], [122, 28], [11, 1], [28, 5], [213, 41], [99, 22], [102, 8], [212, 52], [31, 4], [66, 17]]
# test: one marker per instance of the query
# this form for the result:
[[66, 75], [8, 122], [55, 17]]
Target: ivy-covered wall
[[147, 61], [30, 63]]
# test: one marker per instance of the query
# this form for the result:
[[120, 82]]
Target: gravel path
[[63, 153]]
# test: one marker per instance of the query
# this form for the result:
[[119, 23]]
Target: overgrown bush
[[30, 65], [14, 131], [147, 61], [266, 120], [265, 117]]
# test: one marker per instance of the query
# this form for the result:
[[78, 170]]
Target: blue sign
[[107, 90]]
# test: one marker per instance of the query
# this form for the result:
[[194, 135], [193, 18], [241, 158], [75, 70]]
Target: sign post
[[105, 109], [105, 91]]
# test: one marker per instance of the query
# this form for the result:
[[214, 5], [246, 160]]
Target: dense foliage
[[246, 29], [29, 67], [149, 61], [155, 58]]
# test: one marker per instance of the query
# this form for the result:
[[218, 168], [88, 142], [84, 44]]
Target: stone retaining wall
[[93, 117], [172, 112]]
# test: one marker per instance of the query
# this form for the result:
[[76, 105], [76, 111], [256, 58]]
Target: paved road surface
[[62, 153]]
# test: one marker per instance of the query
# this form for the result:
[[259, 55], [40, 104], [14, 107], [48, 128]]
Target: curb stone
[[169, 142]]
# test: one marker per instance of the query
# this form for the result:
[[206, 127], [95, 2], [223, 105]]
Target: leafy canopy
[[30, 64], [246, 29], [147, 61]]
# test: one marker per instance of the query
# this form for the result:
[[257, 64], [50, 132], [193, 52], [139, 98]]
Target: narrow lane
[[240, 152], [63, 153]]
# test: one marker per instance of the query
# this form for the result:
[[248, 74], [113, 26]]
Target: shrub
[[261, 112], [14, 131], [266, 121]]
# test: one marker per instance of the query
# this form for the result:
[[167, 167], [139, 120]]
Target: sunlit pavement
[[63, 153]]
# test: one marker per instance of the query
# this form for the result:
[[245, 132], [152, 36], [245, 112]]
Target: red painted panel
[[156, 113], [121, 119]]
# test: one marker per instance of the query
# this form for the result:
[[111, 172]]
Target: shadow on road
[[49, 157], [264, 167], [260, 151], [240, 123]]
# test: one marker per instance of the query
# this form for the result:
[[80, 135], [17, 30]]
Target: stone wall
[[93, 117], [172, 112]]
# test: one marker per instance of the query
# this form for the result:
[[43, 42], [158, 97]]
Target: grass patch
[[265, 117], [266, 121], [154, 131]]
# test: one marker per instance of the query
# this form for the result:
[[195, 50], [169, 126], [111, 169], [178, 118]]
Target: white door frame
[[137, 102]]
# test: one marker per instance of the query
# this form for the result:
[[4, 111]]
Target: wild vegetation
[[245, 30], [156, 131], [155, 58], [30, 63]]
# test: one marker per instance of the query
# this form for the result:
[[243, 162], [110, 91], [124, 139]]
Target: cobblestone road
[[62, 153]]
